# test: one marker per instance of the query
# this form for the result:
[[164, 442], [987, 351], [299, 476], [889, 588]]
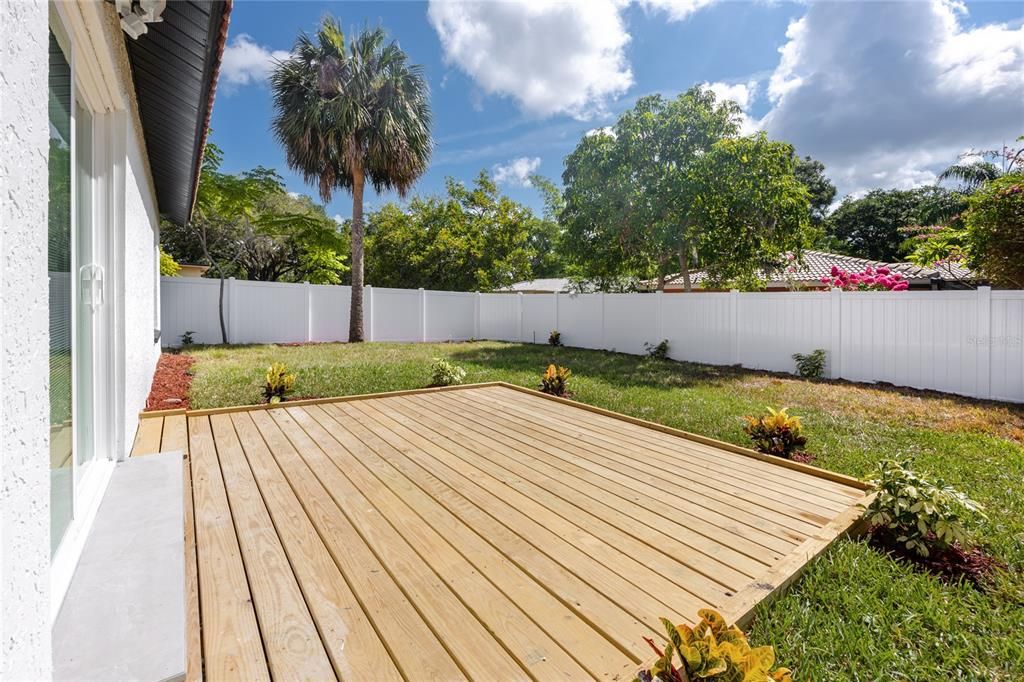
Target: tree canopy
[[872, 226], [672, 186], [247, 225], [472, 239]]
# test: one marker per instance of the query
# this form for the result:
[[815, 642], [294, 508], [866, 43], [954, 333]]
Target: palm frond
[[971, 175]]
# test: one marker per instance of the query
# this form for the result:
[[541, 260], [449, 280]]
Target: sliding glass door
[[74, 291], [62, 287]]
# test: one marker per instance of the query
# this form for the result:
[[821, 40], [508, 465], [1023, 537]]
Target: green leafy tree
[[821, 191], [247, 225], [546, 237], [872, 226], [664, 189], [750, 207], [351, 112], [168, 266], [474, 239], [995, 231]]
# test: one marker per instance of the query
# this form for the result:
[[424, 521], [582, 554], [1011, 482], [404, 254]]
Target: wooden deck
[[485, 532]]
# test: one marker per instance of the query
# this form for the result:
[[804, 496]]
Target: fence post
[[835, 359], [604, 344], [519, 298], [476, 316], [230, 322], [734, 327], [423, 315], [557, 324], [368, 306], [983, 338], [309, 311], [660, 315]]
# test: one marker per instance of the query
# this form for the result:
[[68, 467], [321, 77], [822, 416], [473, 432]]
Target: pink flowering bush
[[871, 279]]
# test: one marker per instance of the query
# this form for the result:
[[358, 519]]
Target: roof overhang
[[174, 68]]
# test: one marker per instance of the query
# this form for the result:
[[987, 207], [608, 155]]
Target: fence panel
[[966, 342], [267, 312], [499, 317], [771, 327], [190, 304], [396, 314], [698, 328], [450, 315], [329, 306], [538, 317], [630, 321], [580, 320], [1005, 344]]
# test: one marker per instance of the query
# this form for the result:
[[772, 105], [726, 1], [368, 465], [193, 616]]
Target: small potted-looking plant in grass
[[778, 433], [555, 381], [921, 519], [711, 651], [555, 338], [444, 373], [279, 383]]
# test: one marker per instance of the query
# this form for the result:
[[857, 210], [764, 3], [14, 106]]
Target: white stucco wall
[[24, 339], [140, 276]]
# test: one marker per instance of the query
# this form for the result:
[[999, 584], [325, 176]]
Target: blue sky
[[884, 94]]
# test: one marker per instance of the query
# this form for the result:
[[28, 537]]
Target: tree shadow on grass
[[617, 369]]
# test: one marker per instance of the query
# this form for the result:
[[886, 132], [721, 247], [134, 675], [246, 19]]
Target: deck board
[[480, 532]]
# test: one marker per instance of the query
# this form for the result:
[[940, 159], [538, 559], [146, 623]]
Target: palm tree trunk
[[355, 319]]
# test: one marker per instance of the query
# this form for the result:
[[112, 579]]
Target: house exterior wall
[[140, 276], [24, 333]]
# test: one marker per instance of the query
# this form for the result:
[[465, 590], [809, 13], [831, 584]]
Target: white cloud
[[516, 172], [245, 61], [552, 57], [887, 94], [604, 130], [743, 94], [677, 10], [338, 218]]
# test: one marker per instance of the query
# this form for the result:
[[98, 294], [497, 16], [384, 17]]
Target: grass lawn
[[856, 614]]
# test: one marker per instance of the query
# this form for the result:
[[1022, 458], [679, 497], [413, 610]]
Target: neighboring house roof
[[174, 67], [559, 284], [818, 264]]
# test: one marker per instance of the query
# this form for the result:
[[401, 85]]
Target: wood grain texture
[[475, 532], [232, 646], [147, 437], [175, 434]]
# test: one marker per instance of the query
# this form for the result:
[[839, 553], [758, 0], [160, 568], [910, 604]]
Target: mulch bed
[[955, 563], [171, 382]]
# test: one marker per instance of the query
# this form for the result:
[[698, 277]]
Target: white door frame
[[108, 161]]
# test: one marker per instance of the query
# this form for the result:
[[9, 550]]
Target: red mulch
[[802, 457], [954, 563], [170, 383]]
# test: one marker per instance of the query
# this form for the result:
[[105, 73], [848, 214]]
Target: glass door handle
[[91, 285]]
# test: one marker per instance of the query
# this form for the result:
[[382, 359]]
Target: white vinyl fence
[[966, 342]]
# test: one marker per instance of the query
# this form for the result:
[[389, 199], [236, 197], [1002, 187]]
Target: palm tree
[[971, 175], [346, 114]]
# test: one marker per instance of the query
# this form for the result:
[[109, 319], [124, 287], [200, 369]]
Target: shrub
[[188, 338], [444, 373], [279, 383], [555, 338], [920, 513], [555, 380], [812, 365], [871, 279], [712, 651], [658, 351], [776, 433]]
